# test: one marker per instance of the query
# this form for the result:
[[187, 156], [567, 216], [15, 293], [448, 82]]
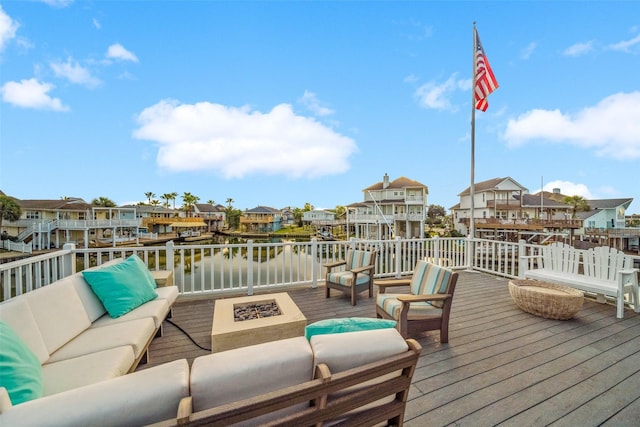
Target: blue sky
[[283, 103]]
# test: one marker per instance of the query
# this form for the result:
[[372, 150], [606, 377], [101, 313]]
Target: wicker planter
[[547, 300]]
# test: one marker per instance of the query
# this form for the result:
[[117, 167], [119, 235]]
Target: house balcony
[[257, 220], [524, 224]]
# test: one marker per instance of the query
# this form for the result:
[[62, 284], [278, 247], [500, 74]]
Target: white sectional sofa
[[87, 359], [79, 344]]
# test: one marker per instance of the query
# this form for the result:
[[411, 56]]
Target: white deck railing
[[247, 267]]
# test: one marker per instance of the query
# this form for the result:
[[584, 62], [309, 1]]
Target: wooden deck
[[502, 366]]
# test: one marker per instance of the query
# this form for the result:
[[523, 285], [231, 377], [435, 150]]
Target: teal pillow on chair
[[20, 370], [349, 324], [122, 287]]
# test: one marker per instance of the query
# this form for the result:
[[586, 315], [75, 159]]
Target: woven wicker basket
[[547, 300]]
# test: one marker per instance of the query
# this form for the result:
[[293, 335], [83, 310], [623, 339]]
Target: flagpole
[[473, 135]]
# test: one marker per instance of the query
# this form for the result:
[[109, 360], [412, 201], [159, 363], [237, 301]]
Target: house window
[[33, 215]]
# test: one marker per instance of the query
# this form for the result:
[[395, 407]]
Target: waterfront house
[[390, 209], [261, 219]]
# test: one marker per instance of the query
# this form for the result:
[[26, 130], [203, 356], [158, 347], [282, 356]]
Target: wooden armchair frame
[[440, 322], [355, 288]]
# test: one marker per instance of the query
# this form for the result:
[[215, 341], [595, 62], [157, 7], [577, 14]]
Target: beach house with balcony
[[389, 209], [49, 224], [261, 219], [504, 209]]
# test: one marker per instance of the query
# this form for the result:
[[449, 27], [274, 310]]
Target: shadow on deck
[[502, 366]]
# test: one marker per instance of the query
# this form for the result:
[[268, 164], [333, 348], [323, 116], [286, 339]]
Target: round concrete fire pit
[[546, 300]]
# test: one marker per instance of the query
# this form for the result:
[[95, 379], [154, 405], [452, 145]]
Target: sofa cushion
[[245, 372], [121, 287], [89, 369], [92, 304], [351, 349], [135, 259], [20, 370], [156, 309], [347, 324], [135, 333], [59, 313], [169, 293], [140, 398], [17, 314]]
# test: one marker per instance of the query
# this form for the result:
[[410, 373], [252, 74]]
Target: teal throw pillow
[[136, 260], [20, 370], [121, 287], [349, 324]]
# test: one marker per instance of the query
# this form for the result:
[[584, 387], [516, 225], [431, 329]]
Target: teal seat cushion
[[348, 324], [20, 370], [345, 278], [122, 287]]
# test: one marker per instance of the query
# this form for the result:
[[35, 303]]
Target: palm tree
[[10, 210], [229, 201], [188, 201], [155, 202], [577, 203], [105, 202], [174, 196], [149, 195], [211, 202], [166, 197]]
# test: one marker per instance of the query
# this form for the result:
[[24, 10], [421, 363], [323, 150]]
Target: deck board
[[501, 365]]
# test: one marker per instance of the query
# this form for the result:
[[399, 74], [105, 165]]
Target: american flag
[[485, 80]]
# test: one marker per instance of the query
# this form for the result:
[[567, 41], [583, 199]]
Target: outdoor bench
[[602, 270]]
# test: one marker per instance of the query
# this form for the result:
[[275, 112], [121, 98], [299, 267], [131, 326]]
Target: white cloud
[[579, 49], [528, 51], [75, 73], [611, 127], [311, 102], [569, 188], [626, 45], [57, 3], [236, 142], [31, 94], [8, 28], [437, 95], [117, 51], [97, 24]]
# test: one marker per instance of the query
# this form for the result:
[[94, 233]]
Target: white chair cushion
[[17, 314], [140, 398], [59, 313], [135, 333], [245, 372], [84, 370], [156, 309]]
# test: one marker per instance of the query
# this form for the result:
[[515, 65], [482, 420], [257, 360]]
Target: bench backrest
[[561, 257], [604, 263]]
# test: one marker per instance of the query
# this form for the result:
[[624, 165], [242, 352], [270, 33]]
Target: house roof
[[489, 185], [533, 200], [262, 210], [207, 207], [402, 182], [598, 205], [61, 204]]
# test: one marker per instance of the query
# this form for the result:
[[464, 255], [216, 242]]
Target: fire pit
[[255, 311], [244, 321]]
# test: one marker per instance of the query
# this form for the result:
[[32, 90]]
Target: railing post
[[69, 260], [521, 260], [436, 250], [249, 267], [398, 252], [314, 264], [169, 255], [469, 253]]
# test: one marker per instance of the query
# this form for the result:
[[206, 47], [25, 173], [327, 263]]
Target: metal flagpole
[[473, 135]]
